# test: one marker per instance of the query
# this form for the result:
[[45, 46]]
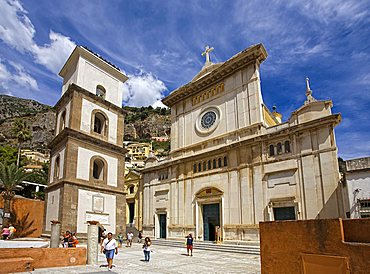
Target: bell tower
[[87, 156]]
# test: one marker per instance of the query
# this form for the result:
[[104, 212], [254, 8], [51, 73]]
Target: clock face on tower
[[208, 120]]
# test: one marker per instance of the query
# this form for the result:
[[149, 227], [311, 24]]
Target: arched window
[[195, 168], [57, 167], [279, 148], [225, 161], [100, 91], [199, 167], [98, 169], [100, 123], [62, 122], [219, 162], [271, 150], [132, 189], [209, 164], [204, 166], [214, 163], [287, 146]]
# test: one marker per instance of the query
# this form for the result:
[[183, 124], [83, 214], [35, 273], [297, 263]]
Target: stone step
[[245, 249]]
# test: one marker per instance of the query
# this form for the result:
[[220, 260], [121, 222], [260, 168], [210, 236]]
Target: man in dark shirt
[[189, 244]]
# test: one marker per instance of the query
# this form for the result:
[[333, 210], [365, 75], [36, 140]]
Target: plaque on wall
[[102, 218], [98, 203]]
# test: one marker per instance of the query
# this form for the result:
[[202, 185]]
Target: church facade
[[234, 163], [87, 156]]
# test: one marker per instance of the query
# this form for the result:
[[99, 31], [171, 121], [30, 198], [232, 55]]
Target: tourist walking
[[189, 244], [5, 232], [120, 239], [109, 248], [130, 235], [146, 247]]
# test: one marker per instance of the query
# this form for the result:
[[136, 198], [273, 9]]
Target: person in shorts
[[189, 244], [109, 247], [130, 235]]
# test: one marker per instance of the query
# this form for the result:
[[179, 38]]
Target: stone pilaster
[[55, 234], [92, 242]]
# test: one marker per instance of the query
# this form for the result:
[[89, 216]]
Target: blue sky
[[158, 44]]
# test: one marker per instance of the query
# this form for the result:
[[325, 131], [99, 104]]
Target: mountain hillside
[[140, 123]]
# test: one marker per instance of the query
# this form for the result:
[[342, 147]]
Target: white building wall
[[83, 165], [52, 208], [91, 76], [86, 213], [87, 109], [70, 78], [358, 184]]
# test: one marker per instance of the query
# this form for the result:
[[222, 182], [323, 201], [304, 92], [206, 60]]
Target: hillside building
[[234, 163]]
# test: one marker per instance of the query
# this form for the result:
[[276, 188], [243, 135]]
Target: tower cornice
[[68, 132]]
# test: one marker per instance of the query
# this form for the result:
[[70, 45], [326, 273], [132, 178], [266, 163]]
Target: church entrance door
[[162, 225], [211, 219], [131, 208]]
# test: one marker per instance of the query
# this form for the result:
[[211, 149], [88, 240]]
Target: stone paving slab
[[169, 260]]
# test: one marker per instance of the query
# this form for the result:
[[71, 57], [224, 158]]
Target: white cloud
[[327, 10], [54, 55], [14, 77], [143, 90], [17, 30]]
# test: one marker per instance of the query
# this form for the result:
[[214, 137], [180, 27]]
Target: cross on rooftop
[[206, 53]]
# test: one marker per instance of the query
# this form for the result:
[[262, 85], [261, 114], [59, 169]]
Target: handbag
[[104, 250]]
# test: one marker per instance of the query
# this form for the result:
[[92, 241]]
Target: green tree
[[22, 133], [10, 177], [8, 155]]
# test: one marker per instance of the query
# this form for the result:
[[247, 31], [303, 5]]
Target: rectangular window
[[284, 213], [364, 208]]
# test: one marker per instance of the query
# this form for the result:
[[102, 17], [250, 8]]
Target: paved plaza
[[169, 260]]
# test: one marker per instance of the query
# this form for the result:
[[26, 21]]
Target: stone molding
[[68, 132], [331, 119], [72, 88], [104, 189]]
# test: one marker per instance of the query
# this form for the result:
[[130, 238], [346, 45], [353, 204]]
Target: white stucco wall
[[87, 108], [90, 76], [83, 165], [70, 78], [358, 184], [240, 105], [85, 207], [61, 154], [52, 208], [68, 110]]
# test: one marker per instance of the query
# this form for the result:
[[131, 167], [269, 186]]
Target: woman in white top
[[146, 247], [109, 247]]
